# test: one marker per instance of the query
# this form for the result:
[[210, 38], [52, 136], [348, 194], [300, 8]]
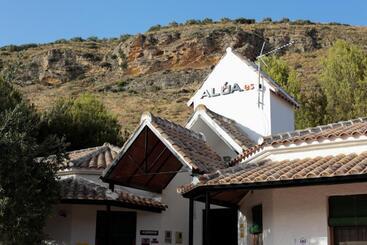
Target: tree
[[310, 96], [28, 187], [83, 121], [280, 72], [344, 82], [313, 103]]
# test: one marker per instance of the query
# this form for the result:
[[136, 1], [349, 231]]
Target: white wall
[[290, 214], [243, 106], [212, 139], [79, 225], [282, 115]]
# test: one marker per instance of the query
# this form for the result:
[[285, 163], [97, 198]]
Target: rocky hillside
[[159, 70]]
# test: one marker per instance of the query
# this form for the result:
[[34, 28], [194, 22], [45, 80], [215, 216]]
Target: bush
[[206, 21], [61, 41], [84, 122], [124, 37], [267, 20], [244, 21], [173, 24], [155, 28], [92, 39], [192, 22], [302, 22], [77, 39], [284, 20], [15, 48], [225, 20]]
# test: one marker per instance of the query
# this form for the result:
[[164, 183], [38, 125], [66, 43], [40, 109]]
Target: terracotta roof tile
[[92, 158], [79, 188], [190, 145], [354, 128], [299, 169], [232, 129]]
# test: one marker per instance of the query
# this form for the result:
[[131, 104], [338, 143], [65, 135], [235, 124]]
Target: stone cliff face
[[165, 64]]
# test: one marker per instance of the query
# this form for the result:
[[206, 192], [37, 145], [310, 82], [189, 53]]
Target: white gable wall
[[243, 107], [212, 139], [282, 115]]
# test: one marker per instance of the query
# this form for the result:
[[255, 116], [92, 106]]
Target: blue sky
[[40, 21]]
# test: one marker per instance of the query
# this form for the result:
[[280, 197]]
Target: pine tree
[[344, 82]]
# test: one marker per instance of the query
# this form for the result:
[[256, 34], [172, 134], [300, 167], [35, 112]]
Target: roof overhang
[[147, 161], [114, 203], [230, 193]]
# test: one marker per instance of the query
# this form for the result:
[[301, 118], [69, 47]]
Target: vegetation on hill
[[339, 92], [83, 122], [159, 70]]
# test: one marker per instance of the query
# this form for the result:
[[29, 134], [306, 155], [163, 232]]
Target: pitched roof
[[191, 145], [231, 128], [79, 189], [350, 128], [92, 158], [273, 172]]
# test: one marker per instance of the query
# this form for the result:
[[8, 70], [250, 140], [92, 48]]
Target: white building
[[246, 182]]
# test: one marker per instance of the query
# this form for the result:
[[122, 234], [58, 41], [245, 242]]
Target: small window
[[257, 219]]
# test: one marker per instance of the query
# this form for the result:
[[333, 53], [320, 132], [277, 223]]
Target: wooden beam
[[159, 169], [138, 164]]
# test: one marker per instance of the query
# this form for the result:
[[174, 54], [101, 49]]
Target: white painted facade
[[259, 111], [299, 213], [294, 214], [78, 227], [289, 214]]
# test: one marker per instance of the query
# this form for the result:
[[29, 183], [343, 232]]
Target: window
[[348, 219], [256, 228]]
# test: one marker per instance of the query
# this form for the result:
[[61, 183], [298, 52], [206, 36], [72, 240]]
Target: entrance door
[[115, 228], [222, 226]]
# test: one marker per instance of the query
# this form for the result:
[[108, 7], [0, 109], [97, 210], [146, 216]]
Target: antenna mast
[[260, 84]]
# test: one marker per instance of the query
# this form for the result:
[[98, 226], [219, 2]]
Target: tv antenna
[[260, 83]]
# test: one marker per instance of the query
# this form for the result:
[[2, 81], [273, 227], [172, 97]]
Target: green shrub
[[206, 21], [77, 39], [83, 121], [267, 20], [155, 28], [61, 41], [244, 21], [284, 20], [173, 24], [192, 22], [225, 20], [124, 37], [302, 22], [92, 39]]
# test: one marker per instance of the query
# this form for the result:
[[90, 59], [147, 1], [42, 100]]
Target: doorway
[[222, 226], [115, 228]]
